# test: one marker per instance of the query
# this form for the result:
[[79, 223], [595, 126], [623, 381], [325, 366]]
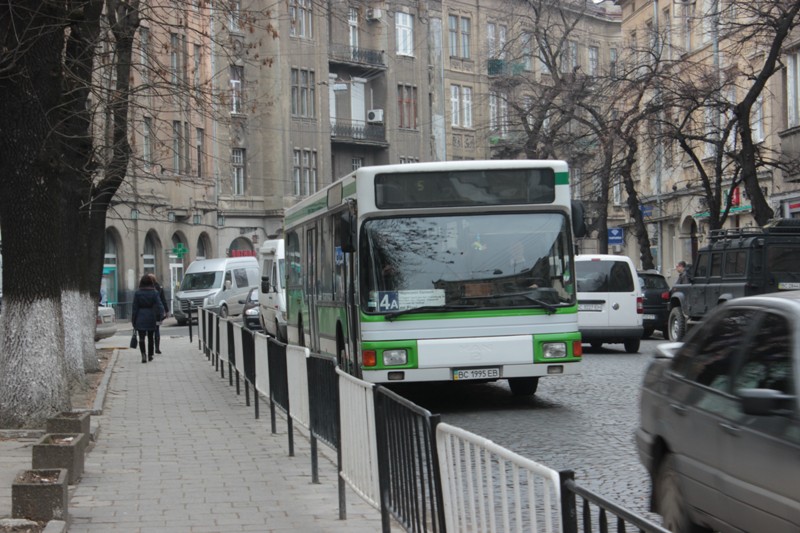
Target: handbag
[[134, 340]]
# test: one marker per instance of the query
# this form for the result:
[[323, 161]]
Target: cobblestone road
[[585, 423]]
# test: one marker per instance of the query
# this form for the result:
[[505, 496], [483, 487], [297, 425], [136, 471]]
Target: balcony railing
[[351, 54], [357, 130]]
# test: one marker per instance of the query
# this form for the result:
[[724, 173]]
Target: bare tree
[[67, 92]]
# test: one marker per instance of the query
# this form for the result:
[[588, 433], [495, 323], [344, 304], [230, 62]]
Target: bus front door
[[312, 280]]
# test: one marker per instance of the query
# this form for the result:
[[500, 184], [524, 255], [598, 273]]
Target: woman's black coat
[[147, 309]]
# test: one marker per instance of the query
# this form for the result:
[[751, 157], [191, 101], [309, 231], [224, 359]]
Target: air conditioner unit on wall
[[375, 116], [374, 13]]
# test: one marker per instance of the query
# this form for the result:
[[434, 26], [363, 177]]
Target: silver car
[[106, 323], [720, 420]]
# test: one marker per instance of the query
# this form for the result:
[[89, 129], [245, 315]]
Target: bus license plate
[[475, 373], [590, 307]]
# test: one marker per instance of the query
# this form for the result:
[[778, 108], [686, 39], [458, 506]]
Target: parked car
[[736, 262], [106, 323], [609, 300], [250, 313], [720, 420], [656, 302]]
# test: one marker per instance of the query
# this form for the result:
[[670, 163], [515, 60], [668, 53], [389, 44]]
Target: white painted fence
[[358, 438], [487, 488]]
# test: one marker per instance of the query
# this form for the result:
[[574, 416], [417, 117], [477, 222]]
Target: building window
[[201, 150], [235, 15], [176, 146], [237, 76], [498, 114], [352, 25], [238, 167], [501, 41], [144, 54], [461, 106], [304, 172], [404, 26], [198, 61], [491, 40], [357, 162], [303, 92], [527, 51], [147, 142], [793, 89], [173, 57], [758, 119], [460, 28], [455, 105], [569, 60], [407, 106], [594, 54], [612, 62], [301, 19], [186, 163]]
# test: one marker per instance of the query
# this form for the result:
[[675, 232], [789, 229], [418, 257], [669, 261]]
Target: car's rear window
[[603, 276], [653, 282]]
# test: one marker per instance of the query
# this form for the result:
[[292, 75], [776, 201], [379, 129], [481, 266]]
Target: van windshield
[[198, 281]]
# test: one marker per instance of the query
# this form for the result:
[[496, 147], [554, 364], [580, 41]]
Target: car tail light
[[665, 295], [639, 305], [99, 320]]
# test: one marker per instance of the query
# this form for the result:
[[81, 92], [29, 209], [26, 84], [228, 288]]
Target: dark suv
[[737, 262]]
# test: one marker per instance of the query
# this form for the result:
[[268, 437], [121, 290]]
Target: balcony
[[358, 132], [350, 55], [501, 67]]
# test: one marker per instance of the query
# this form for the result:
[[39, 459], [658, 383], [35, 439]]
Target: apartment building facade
[[243, 110], [708, 33]]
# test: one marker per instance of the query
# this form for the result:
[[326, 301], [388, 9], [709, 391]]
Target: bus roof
[[334, 193]]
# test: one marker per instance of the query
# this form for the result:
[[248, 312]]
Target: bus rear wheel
[[523, 386]]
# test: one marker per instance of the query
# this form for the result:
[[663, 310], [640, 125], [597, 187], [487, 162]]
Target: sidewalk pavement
[[178, 451]]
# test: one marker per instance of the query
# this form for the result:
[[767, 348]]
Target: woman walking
[[147, 312], [163, 298]]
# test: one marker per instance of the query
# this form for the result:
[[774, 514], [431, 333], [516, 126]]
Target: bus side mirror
[[264, 283], [347, 232], [578, 219]]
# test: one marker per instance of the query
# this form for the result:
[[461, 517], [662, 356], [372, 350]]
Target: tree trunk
[[33, 384]]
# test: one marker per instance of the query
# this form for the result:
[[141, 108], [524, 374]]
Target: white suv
[[610, 301]]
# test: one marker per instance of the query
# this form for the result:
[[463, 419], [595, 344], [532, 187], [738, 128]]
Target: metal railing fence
[[409, 475], [425, 475]]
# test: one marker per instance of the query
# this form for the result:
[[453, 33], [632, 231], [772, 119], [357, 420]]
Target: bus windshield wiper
[[548, 308], [425, 308]]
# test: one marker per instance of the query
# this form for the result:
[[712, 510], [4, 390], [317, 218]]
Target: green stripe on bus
[[320, 205], [562, 178], [485, 313]]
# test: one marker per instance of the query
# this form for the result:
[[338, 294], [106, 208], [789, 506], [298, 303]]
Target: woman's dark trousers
[[150, 341]]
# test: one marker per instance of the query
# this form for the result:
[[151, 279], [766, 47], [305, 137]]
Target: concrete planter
[[70, 422], [61, 450], [40, 495]]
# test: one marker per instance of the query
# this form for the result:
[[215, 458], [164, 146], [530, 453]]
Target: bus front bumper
[[447, 374]]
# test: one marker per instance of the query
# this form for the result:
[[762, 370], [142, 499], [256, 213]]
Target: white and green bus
[[430, 272]]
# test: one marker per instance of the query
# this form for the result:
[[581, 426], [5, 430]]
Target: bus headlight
[[394, 357], [554, 350]]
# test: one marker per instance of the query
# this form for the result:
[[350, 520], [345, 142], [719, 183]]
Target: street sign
[[647, 211], [615, 236]]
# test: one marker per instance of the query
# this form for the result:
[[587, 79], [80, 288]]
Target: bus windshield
[[482, 261]]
